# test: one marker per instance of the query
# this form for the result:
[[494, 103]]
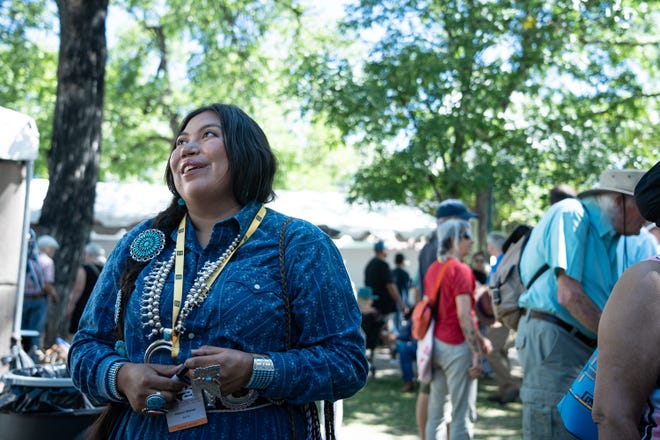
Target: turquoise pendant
[[120, 347], [147, 245]]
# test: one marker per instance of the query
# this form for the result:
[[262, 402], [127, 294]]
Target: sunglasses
[[467, 236]]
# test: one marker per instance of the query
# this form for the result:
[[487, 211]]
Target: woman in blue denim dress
[[219, 318]]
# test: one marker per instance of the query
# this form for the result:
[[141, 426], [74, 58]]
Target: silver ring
[[156, 401], [152, 412]]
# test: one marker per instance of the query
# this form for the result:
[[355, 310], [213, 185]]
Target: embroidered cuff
[[111, 381], [263, 372]]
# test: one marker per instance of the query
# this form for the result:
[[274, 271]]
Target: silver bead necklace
[[153, 288]]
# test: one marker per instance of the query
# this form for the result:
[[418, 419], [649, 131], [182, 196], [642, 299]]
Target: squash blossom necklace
[[155, 281]]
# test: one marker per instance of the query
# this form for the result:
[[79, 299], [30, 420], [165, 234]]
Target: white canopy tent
[[355, 227], [122, 205], [19, 146]]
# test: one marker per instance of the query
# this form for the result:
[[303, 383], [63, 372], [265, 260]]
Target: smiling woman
[[199, 170], [222, 271]]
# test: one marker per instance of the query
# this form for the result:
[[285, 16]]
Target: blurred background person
[[627, 392], [480, 267], [458, 346], [34, 298], [576, 242], [86, 276], [448, 209], [378, 276], [561, 192], [406, 347], [402, 278], [48, 246], [39, 288]]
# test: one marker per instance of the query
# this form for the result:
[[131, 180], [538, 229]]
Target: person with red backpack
[[458, 346], [447, 210]]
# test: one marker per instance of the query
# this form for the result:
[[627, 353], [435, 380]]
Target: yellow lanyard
[[178, 270]]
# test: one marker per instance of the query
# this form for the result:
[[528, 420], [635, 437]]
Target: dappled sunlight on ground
[[382, 412]]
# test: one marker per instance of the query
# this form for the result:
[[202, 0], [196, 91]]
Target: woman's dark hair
[[252, 163], [252, 166]]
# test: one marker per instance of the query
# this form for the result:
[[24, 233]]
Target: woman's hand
[[235, 366], [477, 367], [139, 381], [486, 345]]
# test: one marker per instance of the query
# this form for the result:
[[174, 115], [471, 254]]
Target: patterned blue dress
[[244, 310]]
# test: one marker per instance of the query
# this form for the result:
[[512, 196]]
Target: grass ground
[[380, 411]]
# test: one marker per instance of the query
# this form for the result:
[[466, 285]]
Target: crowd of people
[[39, 292], [587, 240], [222, 318]]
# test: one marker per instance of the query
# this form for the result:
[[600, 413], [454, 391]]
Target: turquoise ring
[[156, 402]]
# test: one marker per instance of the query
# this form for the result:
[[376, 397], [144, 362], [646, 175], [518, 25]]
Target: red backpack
[[425, 309]]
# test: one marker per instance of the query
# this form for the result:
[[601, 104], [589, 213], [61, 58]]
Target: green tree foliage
[[461, 98], [164, 59], [173, 56], [170, 57], [28, 64]]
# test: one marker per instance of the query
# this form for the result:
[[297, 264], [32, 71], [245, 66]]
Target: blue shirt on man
[[573, 236]]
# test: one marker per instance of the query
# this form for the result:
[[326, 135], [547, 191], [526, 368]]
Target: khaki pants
[[498, 359], [451, 383], [551, 359]]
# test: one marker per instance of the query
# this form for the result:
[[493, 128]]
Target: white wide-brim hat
[[618, 181]]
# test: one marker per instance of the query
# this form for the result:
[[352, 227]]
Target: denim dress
[[244, 310]]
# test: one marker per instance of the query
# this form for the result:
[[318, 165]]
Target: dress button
[[257, 286], [191, 335]]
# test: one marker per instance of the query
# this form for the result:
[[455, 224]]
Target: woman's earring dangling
[[181, 202]]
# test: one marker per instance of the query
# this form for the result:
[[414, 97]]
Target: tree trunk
[[483, 208], [68, 209]]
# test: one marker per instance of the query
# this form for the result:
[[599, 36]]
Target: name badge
[[188, 411]]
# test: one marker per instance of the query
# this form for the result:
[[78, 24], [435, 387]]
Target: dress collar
[[223, 230]]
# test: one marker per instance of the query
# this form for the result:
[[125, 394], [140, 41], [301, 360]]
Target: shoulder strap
[[285, 290], [36, 273], [443, 268], [540, 271], [311, 412]]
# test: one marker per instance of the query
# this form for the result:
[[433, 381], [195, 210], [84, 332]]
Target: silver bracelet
[[112, 380], [263, 372]]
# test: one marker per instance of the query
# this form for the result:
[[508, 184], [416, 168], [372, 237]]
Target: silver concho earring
[[147, 245]]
